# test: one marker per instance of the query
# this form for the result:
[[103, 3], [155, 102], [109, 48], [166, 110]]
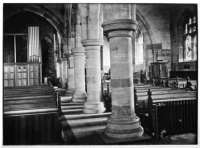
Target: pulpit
[[158, 71]]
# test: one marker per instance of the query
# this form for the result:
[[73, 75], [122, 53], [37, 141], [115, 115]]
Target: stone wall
[[158, 19], [154, 22], [52, 70], [158, 23]]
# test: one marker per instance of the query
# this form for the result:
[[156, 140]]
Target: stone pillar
[[79, 75], [79, 63], [64, 72], [70, 74], [93, 68], [64, 62], [123, 122], [58, 65]]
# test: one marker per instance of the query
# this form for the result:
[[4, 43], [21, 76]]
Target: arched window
[[139, 48], [187, 34], [15, 48]]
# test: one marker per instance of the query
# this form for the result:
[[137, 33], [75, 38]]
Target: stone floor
[[98, 138]]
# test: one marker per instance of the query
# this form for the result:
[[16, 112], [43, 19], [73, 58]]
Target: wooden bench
[[30, 119], [32, 127], [181, 82], [58, 93], [23, 99], [141, 96], [172, 115]]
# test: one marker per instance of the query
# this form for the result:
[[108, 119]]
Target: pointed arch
[[40, 10], [140, 16]]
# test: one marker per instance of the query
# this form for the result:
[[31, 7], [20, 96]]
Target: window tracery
[[188, 51]]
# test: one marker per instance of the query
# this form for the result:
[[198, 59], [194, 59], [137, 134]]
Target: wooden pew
[[57, 94], [172, 116], [181, 82], [30, 119], [32, 127], [28, 101], [160, 94]]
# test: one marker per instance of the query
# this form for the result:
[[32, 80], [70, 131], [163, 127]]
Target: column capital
[[68, 56], [65, 40], [63, 59], [92, 42], [119, 27], [78, 50]]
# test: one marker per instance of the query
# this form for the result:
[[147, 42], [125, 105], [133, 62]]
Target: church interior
[[100, 74]]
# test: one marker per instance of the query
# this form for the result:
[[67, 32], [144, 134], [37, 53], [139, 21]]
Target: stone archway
[[149, 40], [147, 26], [40, 10], [30, 16]]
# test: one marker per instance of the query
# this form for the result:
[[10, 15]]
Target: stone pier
[[123, 122], [70, 74], [93, 68], [79, 75], [64, 72]]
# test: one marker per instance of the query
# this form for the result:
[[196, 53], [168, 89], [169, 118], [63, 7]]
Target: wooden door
[[34, 74], [22, 75], [9, 75]]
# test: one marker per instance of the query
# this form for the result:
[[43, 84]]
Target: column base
[[70, 91], [79, 97], [124, 127], [93, 107]]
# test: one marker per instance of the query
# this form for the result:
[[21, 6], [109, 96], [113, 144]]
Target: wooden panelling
[[22, 74], [44, 128], [34, 74], [184, 74], [9, 75]]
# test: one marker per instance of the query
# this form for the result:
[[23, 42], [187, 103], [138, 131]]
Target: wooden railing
[[57, 93]]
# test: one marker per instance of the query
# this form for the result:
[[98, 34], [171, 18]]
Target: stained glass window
[[189, 40]]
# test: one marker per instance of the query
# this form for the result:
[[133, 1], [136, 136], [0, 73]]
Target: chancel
[[100, 74]]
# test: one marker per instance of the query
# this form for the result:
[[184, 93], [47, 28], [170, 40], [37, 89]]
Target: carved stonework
[[121, 111]]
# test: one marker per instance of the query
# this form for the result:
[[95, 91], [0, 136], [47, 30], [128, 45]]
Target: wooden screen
[[22, 76], [9, 75], [34, 74]]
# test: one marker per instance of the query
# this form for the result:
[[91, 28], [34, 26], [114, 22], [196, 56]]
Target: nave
[[94, 74], [45, 115]]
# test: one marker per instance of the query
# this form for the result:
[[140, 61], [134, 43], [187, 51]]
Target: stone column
[[79, 75], [70, 74], [79, 63], [64, 62], [123, 122], [93, 68], [64, 72]]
